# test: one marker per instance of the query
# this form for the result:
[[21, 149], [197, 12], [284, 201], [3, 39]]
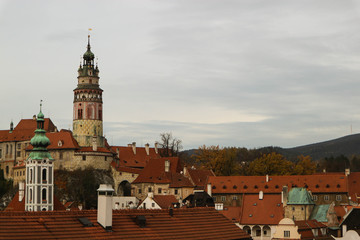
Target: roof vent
[[141, 221], [338, 186], [86, 222], [234, 187], [327, 185], [250, 215], [245, 187], [224, 187], [255, 186]]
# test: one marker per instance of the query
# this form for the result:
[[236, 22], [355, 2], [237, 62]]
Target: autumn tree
[[304, 166], [169, 145], [222, 161], [271, 164]]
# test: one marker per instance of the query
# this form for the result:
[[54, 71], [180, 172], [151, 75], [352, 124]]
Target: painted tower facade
[[88, 109], [39, 194]]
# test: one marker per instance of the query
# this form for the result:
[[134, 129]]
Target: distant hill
[[347, 146]]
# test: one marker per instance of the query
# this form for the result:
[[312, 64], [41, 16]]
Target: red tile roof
[[192, 223], [90, 149], [305, 229], [269, 210], [232, 213], [60, 140], [154, 172], [354, 186], [125, 169], [16, 205], [127, 158], [165, 201], [199, 176], [24, 131], [317, 183]]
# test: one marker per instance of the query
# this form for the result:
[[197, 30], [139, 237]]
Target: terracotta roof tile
[[165, 201], [127, 158], [194, 223], [60, 140], [199, 176], [90, 149], [125, 169]]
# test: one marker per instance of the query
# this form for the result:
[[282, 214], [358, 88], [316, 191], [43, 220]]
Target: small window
[[338, 197], [314, 198], [19, 146], [7, 169], [219, 206], [176, 191], [61, 156], [159, 190], [152, 204], [44, 175], [139, 191], [84, 158], [149, 189], [223, 198], [44, 195], [214, 198], [287, 234], [326, 197], [235, 197]]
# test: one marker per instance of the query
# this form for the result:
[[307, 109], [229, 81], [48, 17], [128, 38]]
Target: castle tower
[[39, 194], [87, 115]]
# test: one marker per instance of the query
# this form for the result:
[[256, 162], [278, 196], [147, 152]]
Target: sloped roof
[[269, 210], [165, 201], [319, 213], [199, 176], [192, 223], [305, 229], [154, 172], [299, 196], [90, 149], [60, 140], [119, 168], [24, 131], [127, 158], [16, 205], [354, 186], [317, 183]]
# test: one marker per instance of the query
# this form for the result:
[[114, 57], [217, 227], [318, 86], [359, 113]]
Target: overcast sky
[[229, 73]]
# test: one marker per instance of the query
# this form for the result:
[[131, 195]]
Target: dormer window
[[255, 186], [60, 143], [224, 187], [327, 185]]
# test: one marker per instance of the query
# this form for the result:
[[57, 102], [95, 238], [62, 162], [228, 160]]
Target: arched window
[[80, 113], [44, 195], [44, 175], [30, 195], [31, 176], [7, 149]]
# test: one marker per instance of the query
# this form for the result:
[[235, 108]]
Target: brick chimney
[[147, 149], [134, 147], [104, 212]]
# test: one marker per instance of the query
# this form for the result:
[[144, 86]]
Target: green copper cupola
[[40, 141]]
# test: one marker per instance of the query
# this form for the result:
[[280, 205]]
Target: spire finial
[[41, 104]]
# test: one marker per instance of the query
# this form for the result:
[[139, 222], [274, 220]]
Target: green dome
[[40, 140], [88, 55], [40, 115]]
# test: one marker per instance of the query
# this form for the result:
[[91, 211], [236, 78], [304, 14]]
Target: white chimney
[[151, 195], [94, 144], [185, 171], [167, 166], [104, 212], [156, 148], [209, 189], [147, 149], [134, 147], [21, 191], [118, 152], [267, 178], [347, 171], [261, 195]]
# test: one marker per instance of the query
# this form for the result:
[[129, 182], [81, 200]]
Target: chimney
[[324, 170], [129, 145], [261, 195], [284, 195], [104, 212], [147, 149], [21, 191], [209, 189], [134, 147], [267, 178], [118, 152], [151, 195], [11, 126], [347, 171], [156, 148], [34, 117], [185, 171], [94, 143], [167, 165]]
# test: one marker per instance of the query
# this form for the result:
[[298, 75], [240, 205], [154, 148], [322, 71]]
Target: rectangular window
[[152, 204], [223, 198], [84, 158], [159, 190], [326, 197], [19, 146], [0, 153], [214, 198], [338, 197], [149, 189], [219, 206], [18, 154], [314, 198], [139, 191], [235, 197], [176, 191], [287, 234]]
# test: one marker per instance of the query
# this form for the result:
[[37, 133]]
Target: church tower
[[87, 115], [39, 194]]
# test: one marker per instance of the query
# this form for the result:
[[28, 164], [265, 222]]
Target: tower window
[[44, 195], [100, 114], [44, 175], [80, 113]]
